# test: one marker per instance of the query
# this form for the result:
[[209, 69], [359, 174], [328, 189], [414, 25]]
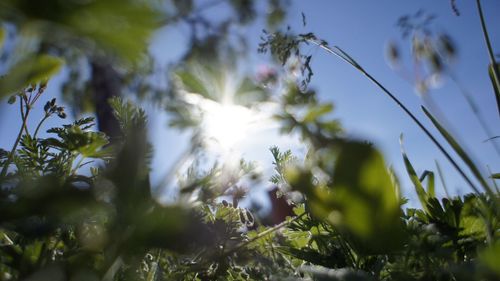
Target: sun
[[226, 125], [228, 116]]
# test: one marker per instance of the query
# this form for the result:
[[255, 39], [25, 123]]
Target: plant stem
[[475, 111], [78, 165], [264, 233], [492, 179], [494, 65], [341, 54], [441, 177], [40, 124], [18, 139], [21, 110]]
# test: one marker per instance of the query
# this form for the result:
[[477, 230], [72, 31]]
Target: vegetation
[[77, 204]]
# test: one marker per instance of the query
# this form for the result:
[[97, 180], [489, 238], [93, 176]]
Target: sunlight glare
[[227, 124], [227, 128]]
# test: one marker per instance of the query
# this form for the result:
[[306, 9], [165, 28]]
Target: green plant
[[75, 205]]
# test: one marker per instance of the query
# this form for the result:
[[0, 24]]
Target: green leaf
[[249, 93], [495, 176], [31, 70], [472, 220], [472, 225], [460, 151], [129, 25], [362, 202], [495, 80], [122, 28], [490, 258], [310, 255], [430, 182], [128, 115], [317, 111], [364, 193], [2, 36], [77, 138], [173, 227], [192, 84], [419, 188], [32, 252]]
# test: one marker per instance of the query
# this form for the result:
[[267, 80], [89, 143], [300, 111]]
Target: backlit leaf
[[31, 70], [490, 257], [192, 84], [317, 111], [121, 28], [362, 201], [366, 197]]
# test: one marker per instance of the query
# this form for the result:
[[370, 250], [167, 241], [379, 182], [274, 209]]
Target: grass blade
[[493, 69], [430, 182], [419, 188], [441, 177], [495, 80], [461, 152], [494, 176], [341, 54]]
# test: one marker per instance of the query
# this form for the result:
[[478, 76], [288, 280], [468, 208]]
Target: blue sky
[[362, 28]]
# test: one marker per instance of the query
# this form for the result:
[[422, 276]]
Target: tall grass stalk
[[493, 64], [345, 57], [460, 151], [475, 110]]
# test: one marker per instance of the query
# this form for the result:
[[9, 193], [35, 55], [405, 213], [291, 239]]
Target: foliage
[[62, 218]]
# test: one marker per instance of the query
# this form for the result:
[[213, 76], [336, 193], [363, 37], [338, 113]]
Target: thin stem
[[40, 124], [16, 143], [441, 177], [21, 110], [112, 269], [426, 131], [347, 249], [402, 106], [78, 165], [492, 138], [475, 110], [7, 240], [496, 75], [264, 233], [38, 94], [492, 179]]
